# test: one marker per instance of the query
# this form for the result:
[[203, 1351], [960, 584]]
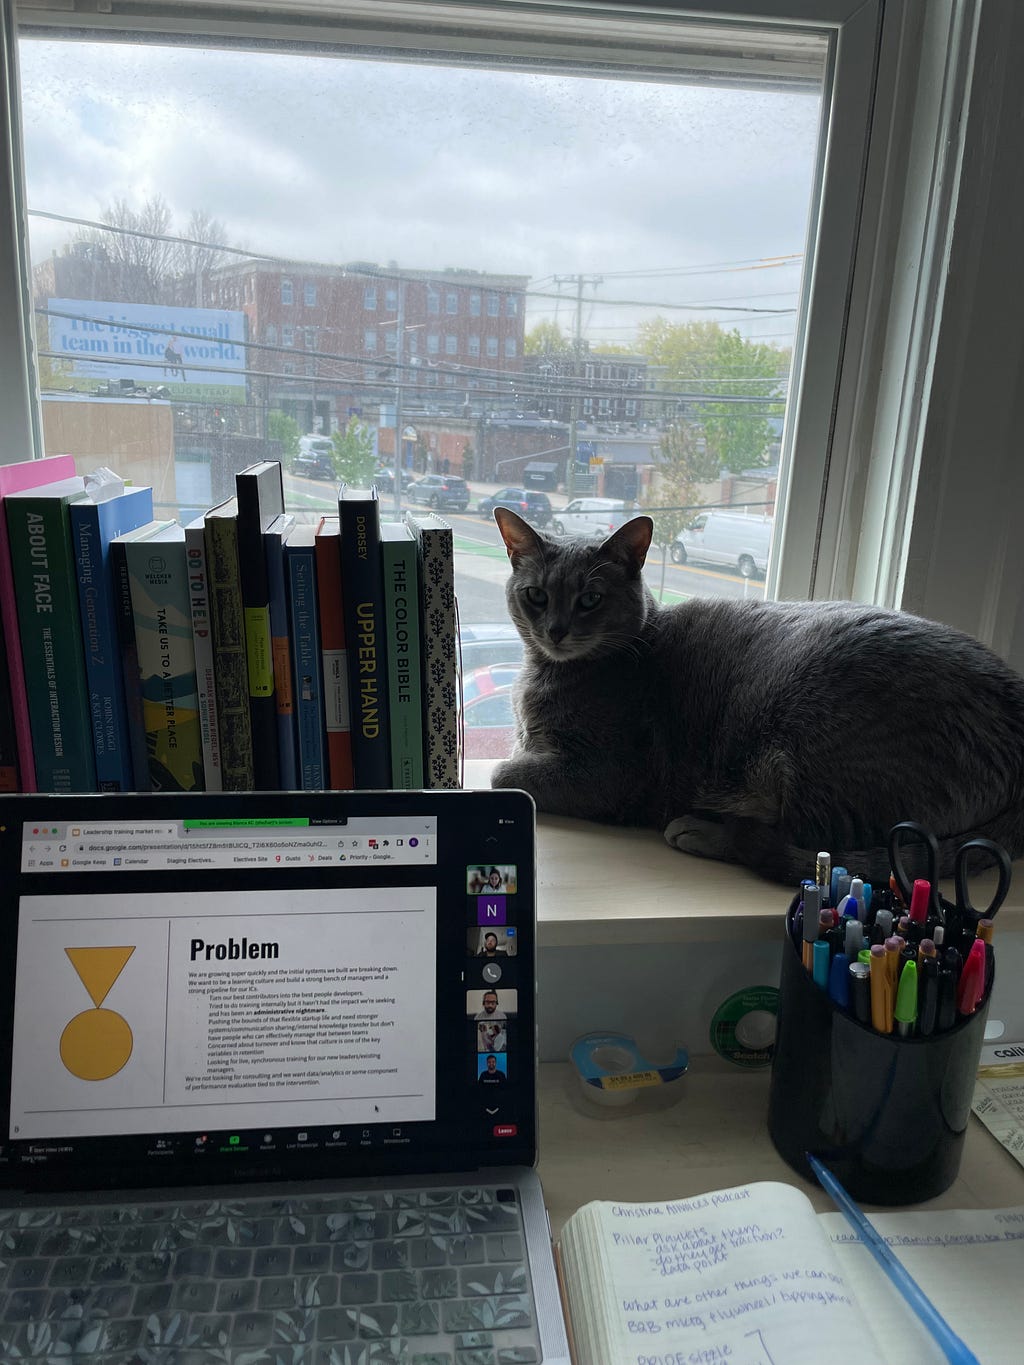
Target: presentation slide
[[223, 1010]]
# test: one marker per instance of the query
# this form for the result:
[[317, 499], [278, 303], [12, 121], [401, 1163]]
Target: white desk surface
[[713, 1137]]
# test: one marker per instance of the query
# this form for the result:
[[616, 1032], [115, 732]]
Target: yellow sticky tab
[[258, 652]]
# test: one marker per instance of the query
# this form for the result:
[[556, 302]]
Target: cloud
[[333, 159]]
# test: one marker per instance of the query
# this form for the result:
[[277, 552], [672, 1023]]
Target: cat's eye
[[589, 600], [536, 597]]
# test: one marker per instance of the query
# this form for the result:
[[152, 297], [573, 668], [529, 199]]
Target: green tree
[[703, 359], [281, 427], [547, 338], [686, 462], [354, 460]]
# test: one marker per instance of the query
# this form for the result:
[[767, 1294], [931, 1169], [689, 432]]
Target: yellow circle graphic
[[96, 1044]]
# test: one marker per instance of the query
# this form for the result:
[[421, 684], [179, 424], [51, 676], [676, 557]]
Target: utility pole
[[577, 352]]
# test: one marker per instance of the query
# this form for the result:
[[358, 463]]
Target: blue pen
[[837, 872], [839, 980], [822, 957], [957, 1352]]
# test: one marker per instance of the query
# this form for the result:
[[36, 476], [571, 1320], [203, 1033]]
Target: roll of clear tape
[[612, 1071]]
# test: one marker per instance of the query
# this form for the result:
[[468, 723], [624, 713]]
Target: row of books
[[243, 651]]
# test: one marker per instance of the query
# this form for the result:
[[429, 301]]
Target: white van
[[597, 517], [730, 538]]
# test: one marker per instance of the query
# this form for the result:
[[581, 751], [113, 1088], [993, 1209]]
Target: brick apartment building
[[604, 388]]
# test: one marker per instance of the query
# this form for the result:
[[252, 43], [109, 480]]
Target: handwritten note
[[742, 1276], [999, 1097]]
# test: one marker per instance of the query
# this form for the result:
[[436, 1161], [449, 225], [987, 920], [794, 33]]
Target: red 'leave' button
[[505, 1129]]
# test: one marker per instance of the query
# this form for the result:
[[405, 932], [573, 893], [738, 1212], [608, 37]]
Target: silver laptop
[[269, 1080]]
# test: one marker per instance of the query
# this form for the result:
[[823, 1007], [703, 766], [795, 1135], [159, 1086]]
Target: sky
[[672, 194]]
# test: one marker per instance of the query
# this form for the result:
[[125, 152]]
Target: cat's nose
[[557, 633]]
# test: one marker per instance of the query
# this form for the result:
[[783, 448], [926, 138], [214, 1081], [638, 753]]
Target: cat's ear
[[630, 543], [519, 536]]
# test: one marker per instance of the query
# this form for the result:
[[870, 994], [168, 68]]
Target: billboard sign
[[196, 353]]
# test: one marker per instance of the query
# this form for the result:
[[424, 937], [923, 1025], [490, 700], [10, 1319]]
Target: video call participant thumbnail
[[493, 1069]]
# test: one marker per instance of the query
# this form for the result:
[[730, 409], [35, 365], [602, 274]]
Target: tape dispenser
[[612, 1070]]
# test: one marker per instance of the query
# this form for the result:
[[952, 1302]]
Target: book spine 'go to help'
[[362, 589], [402, 624], [50, 631], [158, 578]]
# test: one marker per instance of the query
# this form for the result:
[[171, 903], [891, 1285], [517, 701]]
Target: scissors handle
[[919, 835], [961, 873]]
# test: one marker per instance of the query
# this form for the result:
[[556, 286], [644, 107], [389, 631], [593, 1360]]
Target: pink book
[[15, 478]]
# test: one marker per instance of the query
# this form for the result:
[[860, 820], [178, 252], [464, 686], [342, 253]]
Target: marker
[[985, 928], [883, 921], [822, 958], [946, 1016], [823, 873], [956, 1351], [927, 996], [869, 893], [919, 900], [833, 888], [881, 991], [893, 944], [839, 981], [926, 948], [971, 986], [905, 1010], [939, 935], [860, 991], [848, 908]]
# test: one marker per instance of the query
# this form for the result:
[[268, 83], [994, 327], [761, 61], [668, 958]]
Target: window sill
[[601, 884]]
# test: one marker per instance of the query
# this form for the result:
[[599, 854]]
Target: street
[[481, 564]]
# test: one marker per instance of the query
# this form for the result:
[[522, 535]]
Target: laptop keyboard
[[410, 1277]]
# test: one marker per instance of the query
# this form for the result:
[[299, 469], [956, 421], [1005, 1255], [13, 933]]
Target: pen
[[985, 928], [823, 873], [833, 887], [927, 996], [946, 1016], [839, 981], [956, 1351], [853, 941], [860, 991], [905, 1012], [893, 944], [821, 963], [857, 892], [881, 991], [812, 910], [919, 900]]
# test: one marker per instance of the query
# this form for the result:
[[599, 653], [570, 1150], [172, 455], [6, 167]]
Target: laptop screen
[[207, 987]]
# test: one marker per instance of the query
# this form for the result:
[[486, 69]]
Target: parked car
[[491, 642], [488, 719], [596, 517], [531, 506], [733, 539], [440, 490], [384, 480], [315, 458]]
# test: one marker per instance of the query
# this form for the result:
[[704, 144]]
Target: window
[[369, 339], [451, 344], [511, 306], [309, 294], [270, 334], [473, 344], [391, 341], [287, 336], [795, 101], [492, 347], [433, 343], [309, 336], [510, 348], [369, 297], [391, 299], [451, 302]]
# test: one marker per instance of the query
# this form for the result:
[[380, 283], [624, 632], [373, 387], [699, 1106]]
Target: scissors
[[963, 917]]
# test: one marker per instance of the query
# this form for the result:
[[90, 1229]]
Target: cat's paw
[[703, 838], [506, 774]]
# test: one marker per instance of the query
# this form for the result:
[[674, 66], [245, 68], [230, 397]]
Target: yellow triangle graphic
[[98, 968]]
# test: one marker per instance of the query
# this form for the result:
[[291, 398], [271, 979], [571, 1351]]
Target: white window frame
[[309, 293], [903, 480], [287, 294]]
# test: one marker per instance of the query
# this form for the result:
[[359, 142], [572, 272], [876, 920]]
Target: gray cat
[[750, 731]]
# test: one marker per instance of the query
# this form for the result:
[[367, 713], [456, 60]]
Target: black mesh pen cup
[[887, 1114]]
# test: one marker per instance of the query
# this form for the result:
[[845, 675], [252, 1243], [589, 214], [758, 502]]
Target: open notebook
[[754, 1276], [268, 1080]]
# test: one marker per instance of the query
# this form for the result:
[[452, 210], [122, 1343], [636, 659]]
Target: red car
[[487, 716]]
